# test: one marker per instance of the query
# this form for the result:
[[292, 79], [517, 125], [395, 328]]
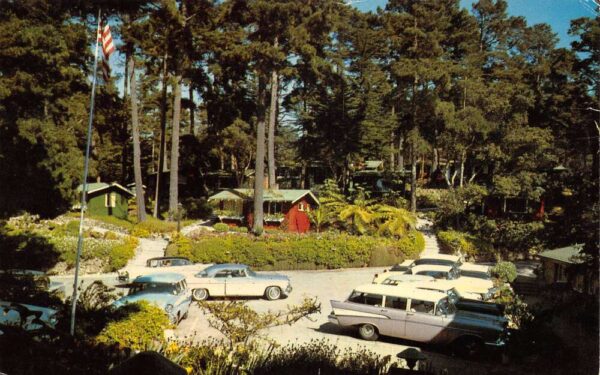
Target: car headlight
[[169, 308]]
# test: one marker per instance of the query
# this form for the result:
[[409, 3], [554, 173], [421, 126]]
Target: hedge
[[141, 325], [453, 242], [309, 251]]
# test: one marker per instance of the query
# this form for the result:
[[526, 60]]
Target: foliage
[[121, 253], [221, 227], [196, 208], [454, 242], [310, 251], [239, 323], [506, 272], [394, 222], [156, 226], [510, 235], [319, 217], [140, 326], [516, 311]]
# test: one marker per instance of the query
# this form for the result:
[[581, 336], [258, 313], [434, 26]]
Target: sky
[[557, 13]]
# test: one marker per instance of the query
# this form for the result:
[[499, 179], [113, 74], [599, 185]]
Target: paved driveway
[[325, 285]]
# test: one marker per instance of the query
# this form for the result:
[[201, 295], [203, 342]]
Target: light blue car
[[168, 291]]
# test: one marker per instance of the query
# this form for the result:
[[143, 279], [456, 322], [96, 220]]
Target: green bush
[[221, 227], [287, 251], [156, 226], [454, 242], [140, 326], [509, 236], [140, 232], [196, 208], [120, 254], [506, 272]]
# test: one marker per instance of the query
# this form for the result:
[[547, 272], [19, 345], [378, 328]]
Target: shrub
[[506, 272], [156, 226], [111, 236], [120, 254], [287, 251], [509, 235], [221, 227], [455, 242], [140, 232], [141, 325]]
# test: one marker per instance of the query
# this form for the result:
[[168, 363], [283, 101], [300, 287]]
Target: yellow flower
[[189, 369]]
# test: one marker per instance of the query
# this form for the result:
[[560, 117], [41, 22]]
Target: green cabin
[[107, 199]]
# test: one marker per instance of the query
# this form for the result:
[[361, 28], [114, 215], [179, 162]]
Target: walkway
[[432, 247], [148, 248]]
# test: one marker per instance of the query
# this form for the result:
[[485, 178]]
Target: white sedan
[[237, 280]]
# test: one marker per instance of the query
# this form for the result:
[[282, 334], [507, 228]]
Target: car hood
[[272, 276], [160, 300]]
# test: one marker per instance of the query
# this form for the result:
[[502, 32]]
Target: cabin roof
[[570, 254], [269, 195]]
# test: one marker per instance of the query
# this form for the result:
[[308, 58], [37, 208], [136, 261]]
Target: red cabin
[[287, 207]]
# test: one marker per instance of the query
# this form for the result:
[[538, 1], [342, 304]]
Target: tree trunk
[[463, 156], [401, 153], [137, 166], [163, 130], [259, 170], [174, 175], [124, 133], [272, 123], [436, 161], [392, 155], [192, 108], [413, 180]]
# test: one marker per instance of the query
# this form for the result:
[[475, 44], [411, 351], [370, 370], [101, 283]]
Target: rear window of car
[[395, 302], [399, 268], [180, 262], [434, 274], [436, 262], [366, 298], [475, 274]]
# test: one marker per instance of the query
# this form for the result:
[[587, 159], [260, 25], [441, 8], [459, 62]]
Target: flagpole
[[85, 176]]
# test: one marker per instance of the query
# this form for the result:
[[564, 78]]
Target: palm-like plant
[[394, 221], [359, 214], [319, 217]]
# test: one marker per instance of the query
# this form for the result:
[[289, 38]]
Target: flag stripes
[[105, 38]]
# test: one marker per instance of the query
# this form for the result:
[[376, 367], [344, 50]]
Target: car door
[[240, 284], [422, 324], [394, 311], [184, 297]]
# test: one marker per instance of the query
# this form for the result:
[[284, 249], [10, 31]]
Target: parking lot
[[325, 285]]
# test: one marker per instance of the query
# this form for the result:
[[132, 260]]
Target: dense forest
[[474, 96]]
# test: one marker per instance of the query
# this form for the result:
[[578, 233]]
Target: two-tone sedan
[[237, 280]]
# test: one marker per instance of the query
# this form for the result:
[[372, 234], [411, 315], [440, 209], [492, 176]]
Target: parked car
[[476, 271], [448, 287], [168, 291], [418, 315], [438, 260], [28, 317], [447, 272], [39, 278], [395, 270], [168, 262], [224, 280], [404, 279]]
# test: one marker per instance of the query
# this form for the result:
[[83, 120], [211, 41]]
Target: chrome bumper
[[333, 319]]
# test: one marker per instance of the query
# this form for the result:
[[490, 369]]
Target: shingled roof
[[269, 195]]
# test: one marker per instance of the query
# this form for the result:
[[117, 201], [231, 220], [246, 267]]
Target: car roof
[[410, 277], [407, 262], [167, 277], [431, 267], [435, 284], [167, 258], [405, 291], [222, 266], [474, 267], [454, 258]]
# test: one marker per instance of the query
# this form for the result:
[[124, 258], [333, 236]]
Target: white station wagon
[[418, 315]]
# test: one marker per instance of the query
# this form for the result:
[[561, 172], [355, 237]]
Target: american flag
[[108, 48]]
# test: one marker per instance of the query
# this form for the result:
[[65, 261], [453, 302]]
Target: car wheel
[[185, 316], [272, 293], [468, 347], [368, 332], [200, 294]]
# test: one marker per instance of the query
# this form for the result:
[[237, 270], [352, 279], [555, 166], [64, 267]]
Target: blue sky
[[556, 13]]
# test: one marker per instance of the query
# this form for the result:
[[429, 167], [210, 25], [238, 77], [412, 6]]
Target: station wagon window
[[366, 298], [421, 306], [395, 302]]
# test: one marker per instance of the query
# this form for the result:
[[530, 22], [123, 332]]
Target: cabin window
[[395, 302], [110, 199], [304, 207]]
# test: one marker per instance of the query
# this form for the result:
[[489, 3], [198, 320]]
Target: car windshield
[[249, 272], [445, 307], [453, 295], [475, 274], [155, 288], [398, 268], [434, 274]]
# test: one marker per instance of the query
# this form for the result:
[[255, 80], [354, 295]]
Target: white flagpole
[[85, 176]]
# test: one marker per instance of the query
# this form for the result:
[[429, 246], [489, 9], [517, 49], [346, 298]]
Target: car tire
[[273, 293], [368, 332], [468, 347], [200, 294]]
